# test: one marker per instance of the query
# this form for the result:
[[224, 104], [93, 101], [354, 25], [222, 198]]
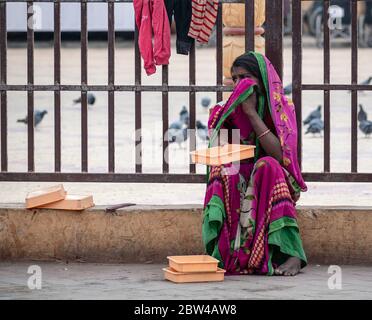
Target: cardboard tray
[[181, 277], [193, 263], [71, 202], [45, 196], [222, 154]]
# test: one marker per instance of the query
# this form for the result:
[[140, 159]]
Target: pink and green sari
[[249, 216]]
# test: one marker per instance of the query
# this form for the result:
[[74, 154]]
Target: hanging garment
[[181, 10], [154, 33], [204, 15]]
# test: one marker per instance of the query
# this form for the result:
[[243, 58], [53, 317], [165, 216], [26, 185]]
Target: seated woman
[[249, 221]]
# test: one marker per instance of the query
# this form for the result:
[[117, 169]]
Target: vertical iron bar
[[274, 34], [111, 82], [219, 52], [354, 80], [84, 82], [249, 25], [327, 122], [297, 70], [192, 103], [30, 93], [3, 81], [165, 118], [57, 82], [138, 104]]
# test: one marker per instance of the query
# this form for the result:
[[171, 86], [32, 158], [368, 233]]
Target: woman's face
[[239, 73]]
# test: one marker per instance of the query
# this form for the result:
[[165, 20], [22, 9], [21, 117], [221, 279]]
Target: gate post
[[274, 34]]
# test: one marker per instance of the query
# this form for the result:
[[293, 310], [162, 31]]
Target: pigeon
[[38, 116], [177, 135], [316, 114], [184, 114], [202, 131], [288, 89], [366, 82], [205, 102], [183, 121], [362, 115], [177, 131], [177, 125], [366, 127], [91, 99], [315, 126]]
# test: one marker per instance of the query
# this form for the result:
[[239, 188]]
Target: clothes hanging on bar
[[154, 33], [181, 10], [204, 15]]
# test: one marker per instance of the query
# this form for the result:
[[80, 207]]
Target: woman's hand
[[249, 105]]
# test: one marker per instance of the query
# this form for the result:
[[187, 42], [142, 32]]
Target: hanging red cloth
[[154, 33]]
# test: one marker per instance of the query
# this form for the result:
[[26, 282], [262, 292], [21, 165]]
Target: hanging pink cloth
[[154, 33]]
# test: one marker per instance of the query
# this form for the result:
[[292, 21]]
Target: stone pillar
[[233, 17]]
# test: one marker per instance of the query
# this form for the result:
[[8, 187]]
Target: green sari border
[[286, 227], [213, 218]]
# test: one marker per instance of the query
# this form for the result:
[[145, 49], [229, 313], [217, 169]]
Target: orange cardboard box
[[45, 196], [181, 277], [71, 202], [222, 154], [193, 263]]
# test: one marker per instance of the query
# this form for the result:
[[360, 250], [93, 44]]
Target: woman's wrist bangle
[[263, 134]]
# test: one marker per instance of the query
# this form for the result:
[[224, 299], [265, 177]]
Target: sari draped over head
[[249, 216]]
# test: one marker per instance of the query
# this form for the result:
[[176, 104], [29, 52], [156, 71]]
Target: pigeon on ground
[[362, 115], [177, 131], [183, 121], [315, 126], [316, 114], [177, 135], [366, 82], [202, 131], [91, 99], [38, 117], [205, 102], [177, 125], [184, 114], [366, 127], [288, 89]]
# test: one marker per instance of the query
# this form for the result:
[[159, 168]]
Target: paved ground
[[131, 281]]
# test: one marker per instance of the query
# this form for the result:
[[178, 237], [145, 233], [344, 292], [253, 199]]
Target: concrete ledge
[[331, 235]]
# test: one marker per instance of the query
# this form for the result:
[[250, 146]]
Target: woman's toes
[[278, 271]]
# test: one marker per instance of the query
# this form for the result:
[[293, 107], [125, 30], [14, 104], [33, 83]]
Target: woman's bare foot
[[289, 268]]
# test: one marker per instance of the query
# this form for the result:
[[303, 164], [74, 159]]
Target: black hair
[[248, 62]]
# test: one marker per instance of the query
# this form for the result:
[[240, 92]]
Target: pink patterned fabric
[[258, 197], [284, 117]]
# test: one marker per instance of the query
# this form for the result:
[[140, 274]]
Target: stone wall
[[141, 234]]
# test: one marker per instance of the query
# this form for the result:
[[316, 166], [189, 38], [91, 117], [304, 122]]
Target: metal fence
[[274, 51]]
